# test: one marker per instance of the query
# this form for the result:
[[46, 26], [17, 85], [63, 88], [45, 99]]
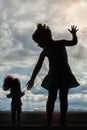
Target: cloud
[[18, 21], [19, 53], [77, 13]]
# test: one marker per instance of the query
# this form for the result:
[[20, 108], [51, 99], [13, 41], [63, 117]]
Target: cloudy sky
[[19, 53]]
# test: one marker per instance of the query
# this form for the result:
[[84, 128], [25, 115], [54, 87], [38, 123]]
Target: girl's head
[[8, 82], [11, 82], [16, 83], [42, 35]]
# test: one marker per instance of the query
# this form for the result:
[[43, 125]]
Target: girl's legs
[[63, 96], [19, 114], [52, 95], [13, 114]]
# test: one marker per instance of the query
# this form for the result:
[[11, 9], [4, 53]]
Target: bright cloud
[[77, 13]]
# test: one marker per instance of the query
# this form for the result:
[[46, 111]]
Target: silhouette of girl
[[59, 77], [13, 84]]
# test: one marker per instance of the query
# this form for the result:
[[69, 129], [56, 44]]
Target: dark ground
[[38, 120]]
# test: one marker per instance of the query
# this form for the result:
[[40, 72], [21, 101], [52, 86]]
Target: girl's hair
[[16, 83], [10, 82], [41, 34]]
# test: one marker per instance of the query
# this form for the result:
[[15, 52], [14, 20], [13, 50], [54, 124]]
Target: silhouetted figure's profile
[[14, 85], [59, 77]]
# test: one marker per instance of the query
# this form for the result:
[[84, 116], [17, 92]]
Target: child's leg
[[63, 96], [52, 95], [13, 114], [19, 114]]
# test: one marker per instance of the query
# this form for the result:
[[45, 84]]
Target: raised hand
[[73, 29]]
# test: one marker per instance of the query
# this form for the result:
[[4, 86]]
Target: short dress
[[59, 74]]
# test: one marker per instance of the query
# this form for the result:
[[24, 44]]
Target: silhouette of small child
[[14, 85]]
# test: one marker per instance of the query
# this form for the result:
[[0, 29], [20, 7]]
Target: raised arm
[[74, 40], [37, 68]]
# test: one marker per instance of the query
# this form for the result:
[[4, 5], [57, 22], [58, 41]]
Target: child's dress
[[59, 74]]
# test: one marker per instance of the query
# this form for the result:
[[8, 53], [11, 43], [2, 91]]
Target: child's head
[[42, 35], [8, 81], [11, 82], [16, 83]]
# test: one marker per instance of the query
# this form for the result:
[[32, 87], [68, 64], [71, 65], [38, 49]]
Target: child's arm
[[22, 93], [36, 70], [9, 95], [74, 40]]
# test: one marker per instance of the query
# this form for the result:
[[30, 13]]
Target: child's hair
[[16, 83], [41, 34], [10, 82]]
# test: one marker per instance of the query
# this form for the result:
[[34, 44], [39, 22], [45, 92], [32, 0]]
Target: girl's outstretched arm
[[37, 68]]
